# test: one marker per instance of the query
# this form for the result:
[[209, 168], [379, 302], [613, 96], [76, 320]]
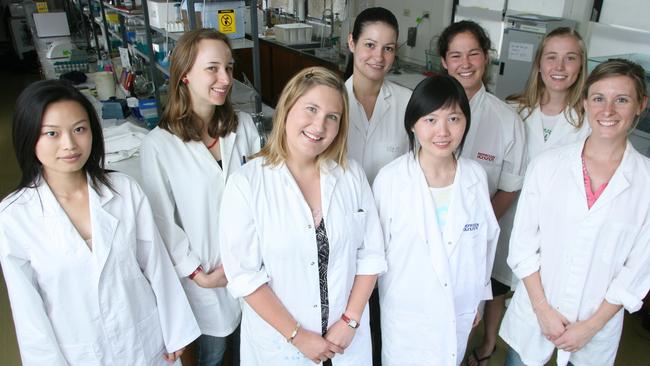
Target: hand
[[216, 278], [477, 319], [576, 336], [315, 347], [172, 357], [340, 334], [552, 323]]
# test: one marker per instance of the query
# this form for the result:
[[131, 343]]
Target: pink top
[[591, 196]]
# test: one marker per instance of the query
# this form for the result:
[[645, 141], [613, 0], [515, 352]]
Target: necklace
[[213, 143]]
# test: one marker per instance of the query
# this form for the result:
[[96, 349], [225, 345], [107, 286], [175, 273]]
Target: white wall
[[439, 18], [628, 13]]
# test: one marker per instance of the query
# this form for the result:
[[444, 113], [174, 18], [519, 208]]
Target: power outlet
[[410, 37], [407, 12]]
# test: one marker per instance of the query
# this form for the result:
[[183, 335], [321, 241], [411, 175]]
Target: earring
[[185, 81]]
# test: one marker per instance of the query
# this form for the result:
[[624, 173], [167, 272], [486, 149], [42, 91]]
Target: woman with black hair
[[376, 136], [89, 280], [439, 230], [497, 141]]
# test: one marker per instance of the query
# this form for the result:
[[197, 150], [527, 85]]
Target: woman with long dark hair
[[89, 279]]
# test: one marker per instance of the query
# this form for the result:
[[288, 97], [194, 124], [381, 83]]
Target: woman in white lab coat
[[186, 162], [440, 233], [301, 239], [550, 105], [496, 140], [376, 135], [89, 280], [551, 109], [581, 233]]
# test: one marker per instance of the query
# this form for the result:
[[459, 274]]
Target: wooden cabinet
[[277, 65]]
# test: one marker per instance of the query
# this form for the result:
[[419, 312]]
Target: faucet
[[329, 12]]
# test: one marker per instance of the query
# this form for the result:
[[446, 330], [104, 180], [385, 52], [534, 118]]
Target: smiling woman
[[70, 216], [300, 236], [580, 237], [186, 162]]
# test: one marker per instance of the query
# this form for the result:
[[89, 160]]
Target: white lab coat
[[584, 255], [268, 237], [378, 142], [184, 184], [563, 134], [435, 280], [496, 140], [119, 304]]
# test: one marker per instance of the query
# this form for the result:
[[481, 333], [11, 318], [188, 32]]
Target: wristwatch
[[350, 322]]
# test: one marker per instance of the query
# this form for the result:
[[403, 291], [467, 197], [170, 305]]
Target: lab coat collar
[[619, 182], [103, 224], [227, 145], [330, 172], [477, 100], [382, 106], [52, 207], [428, 228]]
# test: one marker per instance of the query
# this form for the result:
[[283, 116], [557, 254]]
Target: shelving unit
[[155, 70]]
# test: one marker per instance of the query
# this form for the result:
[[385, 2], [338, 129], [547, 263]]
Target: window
[[315, 8]]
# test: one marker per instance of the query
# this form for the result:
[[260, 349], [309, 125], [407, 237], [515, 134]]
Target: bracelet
[[294, 333], [196, 271]]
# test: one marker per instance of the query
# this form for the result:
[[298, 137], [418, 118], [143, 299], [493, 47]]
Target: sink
[[303, 46]]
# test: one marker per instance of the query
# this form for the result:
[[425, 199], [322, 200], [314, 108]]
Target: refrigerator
[[522, 34]]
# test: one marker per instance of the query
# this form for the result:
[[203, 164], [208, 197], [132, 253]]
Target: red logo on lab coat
[[486, 157]]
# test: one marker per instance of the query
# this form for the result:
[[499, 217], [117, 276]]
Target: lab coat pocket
[[616, 240], [151, 337], [80, 354], [356, 223]]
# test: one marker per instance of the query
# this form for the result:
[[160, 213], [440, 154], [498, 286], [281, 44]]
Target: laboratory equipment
[[521, 37]]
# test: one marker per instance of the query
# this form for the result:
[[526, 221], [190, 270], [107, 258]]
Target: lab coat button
[[315, 306], [308, 226], [445, 285], [312, 263], [449, 243]]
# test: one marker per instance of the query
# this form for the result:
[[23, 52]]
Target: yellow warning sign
[[227, 23], [41, 7]]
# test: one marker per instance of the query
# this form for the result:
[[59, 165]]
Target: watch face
[[353, 324]]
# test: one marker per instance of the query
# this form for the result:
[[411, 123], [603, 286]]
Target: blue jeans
[[210, 350], [513, 359]]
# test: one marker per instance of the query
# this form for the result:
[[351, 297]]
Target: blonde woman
[[551, 108], [301, 239], [186, 162], [581, 233]]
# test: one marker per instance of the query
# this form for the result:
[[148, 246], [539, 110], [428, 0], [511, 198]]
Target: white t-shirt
[[441, 199]]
